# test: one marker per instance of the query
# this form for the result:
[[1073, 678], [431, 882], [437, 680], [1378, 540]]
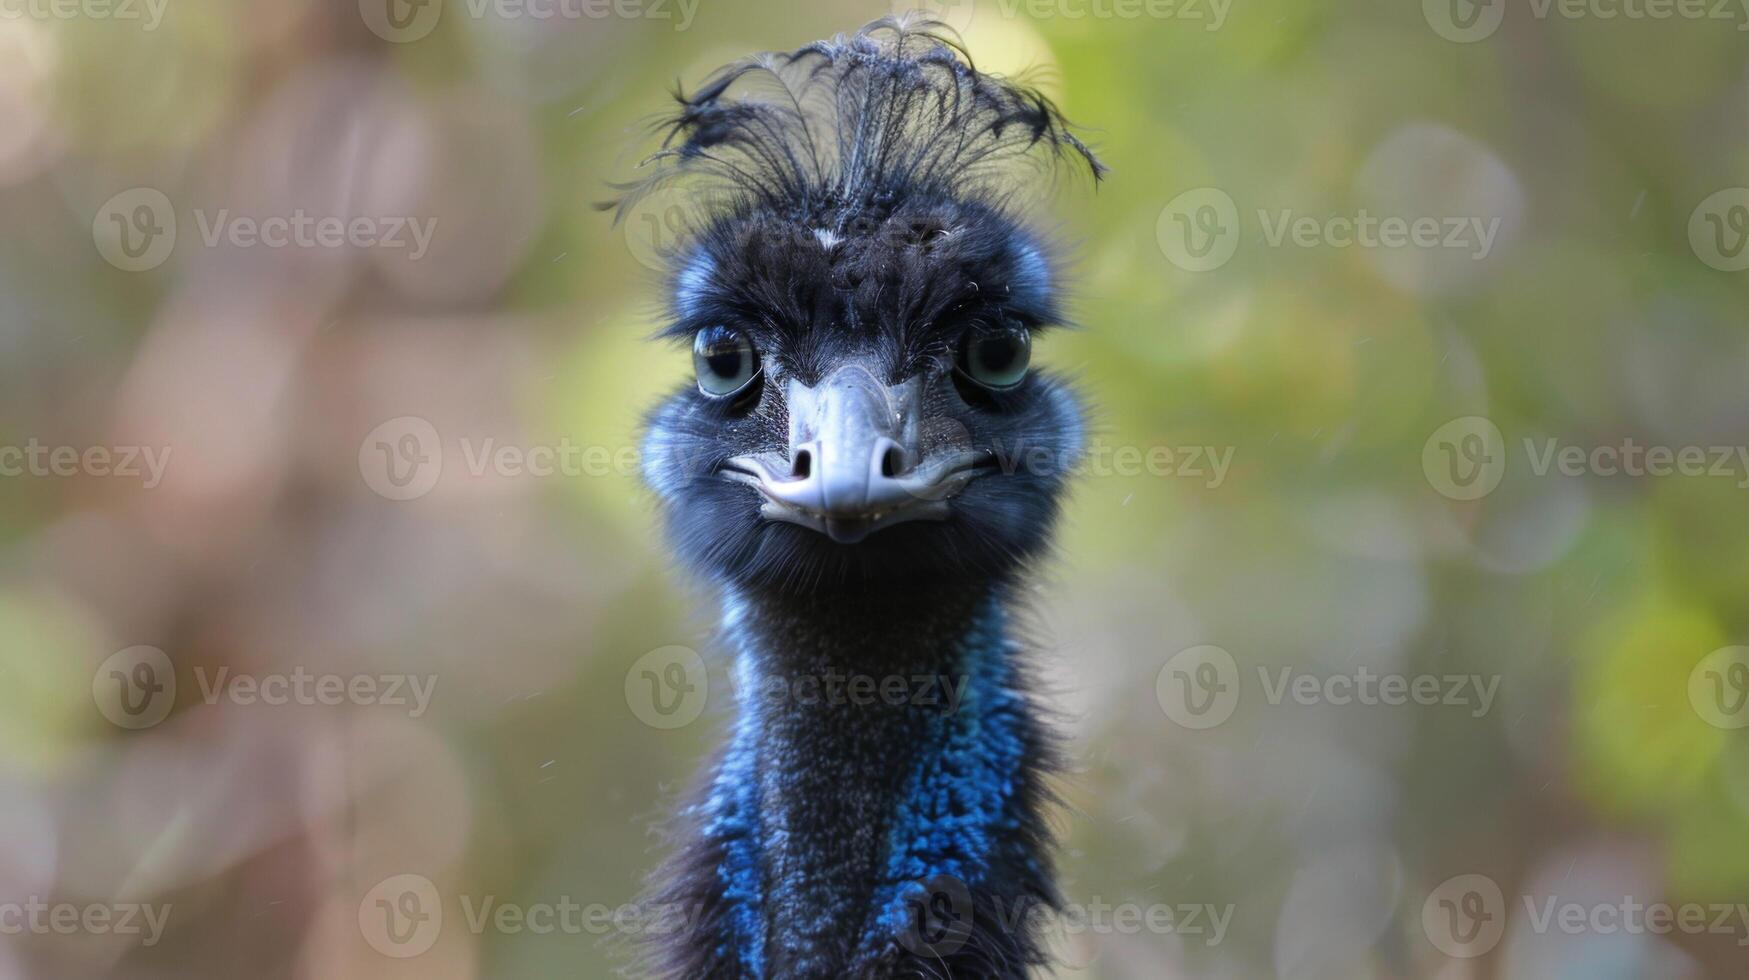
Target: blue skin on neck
[[955, 807]]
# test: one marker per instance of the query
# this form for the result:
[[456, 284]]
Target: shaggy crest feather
[[856, 124]]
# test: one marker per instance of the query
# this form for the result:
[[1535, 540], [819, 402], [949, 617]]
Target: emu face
[[865, 409], [860, 297]]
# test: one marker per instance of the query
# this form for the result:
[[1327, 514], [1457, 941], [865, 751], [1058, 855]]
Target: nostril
[[802, 464], [892, 462]]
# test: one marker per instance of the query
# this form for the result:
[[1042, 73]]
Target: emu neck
[[877, 744]]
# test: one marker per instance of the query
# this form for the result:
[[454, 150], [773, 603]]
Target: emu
[[860, 293]]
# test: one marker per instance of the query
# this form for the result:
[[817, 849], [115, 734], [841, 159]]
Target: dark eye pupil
[[997, 353], [724, 362]]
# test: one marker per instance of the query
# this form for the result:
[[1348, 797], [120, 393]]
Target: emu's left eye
[[724, 359], [998, 359]]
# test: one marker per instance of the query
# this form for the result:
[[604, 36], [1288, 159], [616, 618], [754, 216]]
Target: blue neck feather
[[935, 792]]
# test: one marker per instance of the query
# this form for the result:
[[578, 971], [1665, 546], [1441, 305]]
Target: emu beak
[[854, 461]]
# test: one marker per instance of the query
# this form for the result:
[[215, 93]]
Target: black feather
[[854, 125]]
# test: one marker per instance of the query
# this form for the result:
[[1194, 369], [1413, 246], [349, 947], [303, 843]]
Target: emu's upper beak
[[854, 464]]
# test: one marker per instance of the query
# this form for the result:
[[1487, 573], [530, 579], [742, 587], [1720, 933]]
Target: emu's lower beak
[[854, 462]]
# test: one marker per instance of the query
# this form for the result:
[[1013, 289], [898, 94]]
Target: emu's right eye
[[724, 359]]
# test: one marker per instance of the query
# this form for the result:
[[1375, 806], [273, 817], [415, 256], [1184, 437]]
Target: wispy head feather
[[855, 125]]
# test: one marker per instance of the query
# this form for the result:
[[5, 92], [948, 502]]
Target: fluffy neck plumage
[[882, 743]]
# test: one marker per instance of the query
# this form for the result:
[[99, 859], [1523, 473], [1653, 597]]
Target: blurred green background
[[1602, 157]]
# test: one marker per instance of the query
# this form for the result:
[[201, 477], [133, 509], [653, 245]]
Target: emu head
[[860, 296]]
